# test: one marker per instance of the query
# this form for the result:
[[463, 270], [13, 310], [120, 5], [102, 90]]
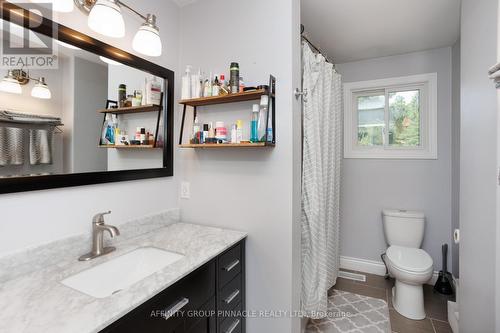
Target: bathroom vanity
[[209, 277], [209, 300]]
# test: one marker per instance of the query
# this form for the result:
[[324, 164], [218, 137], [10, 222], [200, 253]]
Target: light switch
[[185, 190]]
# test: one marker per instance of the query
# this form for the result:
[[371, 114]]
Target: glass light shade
[[106, 18], [10, 85], [62, 6], [41, 90], [110, 62], [147, 41]]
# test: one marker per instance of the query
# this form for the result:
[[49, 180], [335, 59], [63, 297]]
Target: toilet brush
[[443, 285]]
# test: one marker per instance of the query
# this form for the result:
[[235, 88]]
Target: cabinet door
[[204, 320]]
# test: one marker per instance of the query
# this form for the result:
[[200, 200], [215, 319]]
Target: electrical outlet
[[185, 190]]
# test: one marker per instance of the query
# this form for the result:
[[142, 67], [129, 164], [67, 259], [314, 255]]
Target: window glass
[[404, 118], [371, 119]]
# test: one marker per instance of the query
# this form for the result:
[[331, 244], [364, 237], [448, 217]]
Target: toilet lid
[[409, 259]]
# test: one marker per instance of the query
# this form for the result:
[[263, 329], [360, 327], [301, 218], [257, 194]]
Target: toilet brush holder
[[443, 284]]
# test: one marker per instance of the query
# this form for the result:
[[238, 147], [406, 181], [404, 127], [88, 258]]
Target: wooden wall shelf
[[234, 98], [231, 98], [133, 109], [129, 147], [227, 145]]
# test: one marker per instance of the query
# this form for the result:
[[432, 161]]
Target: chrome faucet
[[98, 228]]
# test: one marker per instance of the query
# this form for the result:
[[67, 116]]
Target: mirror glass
[[83, 114]]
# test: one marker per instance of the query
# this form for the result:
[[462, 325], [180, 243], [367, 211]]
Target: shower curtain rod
[[302, 29]]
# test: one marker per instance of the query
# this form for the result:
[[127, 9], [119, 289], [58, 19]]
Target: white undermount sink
[[121, 272]]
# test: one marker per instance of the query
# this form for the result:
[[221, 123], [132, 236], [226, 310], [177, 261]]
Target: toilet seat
[[409, 260]]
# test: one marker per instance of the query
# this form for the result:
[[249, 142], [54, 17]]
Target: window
[[391, 118]]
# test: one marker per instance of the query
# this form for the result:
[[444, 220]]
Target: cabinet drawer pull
[[176, 308], [233, 326], [231, 297], [232, 265]]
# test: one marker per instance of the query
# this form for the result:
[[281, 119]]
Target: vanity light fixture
[[16, 78], [10, 84], [110, 62], [62, 6], [105, 17], [41, 90], [147, 40]]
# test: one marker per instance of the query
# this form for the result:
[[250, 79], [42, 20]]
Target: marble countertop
[[36, 300]]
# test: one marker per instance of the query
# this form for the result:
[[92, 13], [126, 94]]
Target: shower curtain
[[322, 118]]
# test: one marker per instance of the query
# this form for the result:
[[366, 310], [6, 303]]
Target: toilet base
[[408, 300]]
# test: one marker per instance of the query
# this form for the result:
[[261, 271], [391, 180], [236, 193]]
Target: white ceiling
[[350, 30]]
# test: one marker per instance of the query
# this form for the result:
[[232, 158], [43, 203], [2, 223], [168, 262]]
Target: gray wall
[[256, 190], [90, 94], [455, 155], [370, 185], [478, 167]]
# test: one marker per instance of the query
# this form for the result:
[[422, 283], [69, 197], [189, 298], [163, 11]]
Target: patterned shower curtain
[[322, 116]]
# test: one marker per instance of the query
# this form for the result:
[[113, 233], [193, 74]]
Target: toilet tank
[[403, 227]]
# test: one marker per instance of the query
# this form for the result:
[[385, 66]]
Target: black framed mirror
[[99, 115]]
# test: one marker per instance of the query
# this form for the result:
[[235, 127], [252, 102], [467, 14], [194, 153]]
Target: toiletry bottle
[[155, 91], [254, 123], [143, 136], [262, 129], [239, 131], [207, 89], [196, 132], [186, 83], [215, 87], [242, 85], [220, 132], [224, 89], [235, 77], [205, 133], [234, 136], [211, 133], [122, 95], [105, 130], [195, 85]]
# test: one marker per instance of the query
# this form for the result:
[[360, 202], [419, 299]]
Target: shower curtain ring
[[299, 93]]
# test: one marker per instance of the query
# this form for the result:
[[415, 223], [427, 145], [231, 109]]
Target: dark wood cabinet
[[209, 300]]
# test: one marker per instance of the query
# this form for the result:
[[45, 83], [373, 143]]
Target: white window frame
[[427, 84]]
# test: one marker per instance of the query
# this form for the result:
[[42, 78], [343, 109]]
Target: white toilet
[[406, 262]]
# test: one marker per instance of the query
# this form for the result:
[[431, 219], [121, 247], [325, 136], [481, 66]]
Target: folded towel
[[495, 76], [11, 146], [41, 142], [9, 116], [494, 69]]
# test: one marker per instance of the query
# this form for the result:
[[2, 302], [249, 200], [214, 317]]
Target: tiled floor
[[377, 286]]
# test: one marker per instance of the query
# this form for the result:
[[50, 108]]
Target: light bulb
[[147, 40], [41, 90], [106, 18], [9, 84]]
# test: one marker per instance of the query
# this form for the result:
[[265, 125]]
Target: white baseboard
[[372, 267]]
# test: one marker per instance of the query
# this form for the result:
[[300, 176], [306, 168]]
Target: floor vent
[[352, 276]]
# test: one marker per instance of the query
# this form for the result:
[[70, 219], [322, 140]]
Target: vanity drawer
[[229, 265], [191, 293], [231, 294], [232, 323]]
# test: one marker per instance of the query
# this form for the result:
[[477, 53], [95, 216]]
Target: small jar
[[220, 131]]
